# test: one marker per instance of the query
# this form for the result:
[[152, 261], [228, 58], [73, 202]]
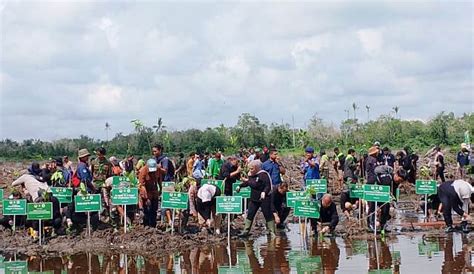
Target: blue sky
[[67, 68]]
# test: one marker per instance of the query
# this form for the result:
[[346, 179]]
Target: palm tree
[[396, 109], [159, 125], [107, 129], [368, 112], [354, 106]]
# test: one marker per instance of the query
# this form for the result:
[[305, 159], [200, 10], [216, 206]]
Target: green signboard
[[293, 196], [356, 191], [39, 211], [307, 209], [229, 204], [14, 207], [167, 184], [244, 191], [218, 183], [64, 194], [176, 200], [125, 196], [120, 181], [320, 185], [428, 248], [88, 203], [16, 267], [427, 187], [377, 193], [1, 195], [229, 270]]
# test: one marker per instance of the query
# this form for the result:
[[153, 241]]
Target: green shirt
[[215, 167]]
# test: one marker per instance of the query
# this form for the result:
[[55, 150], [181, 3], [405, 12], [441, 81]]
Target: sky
[[67, 68]]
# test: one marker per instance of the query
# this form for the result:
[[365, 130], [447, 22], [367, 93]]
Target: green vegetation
[[444, 129]]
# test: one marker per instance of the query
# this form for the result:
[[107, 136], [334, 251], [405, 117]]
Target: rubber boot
[[271, 228], [464, 227], [246, 232]]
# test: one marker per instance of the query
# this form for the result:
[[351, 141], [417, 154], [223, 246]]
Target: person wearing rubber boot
[[384, 176], [260, 184], [328, 217], [370, 165], [455, 195]]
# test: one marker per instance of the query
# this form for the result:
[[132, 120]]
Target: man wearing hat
[[463, 160], [31, 182], [101, 169], [370, 166], [148, 178], [83, 172]]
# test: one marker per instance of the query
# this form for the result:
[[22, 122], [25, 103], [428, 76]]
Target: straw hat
[[463, 145], [373, 151], [83, 153]]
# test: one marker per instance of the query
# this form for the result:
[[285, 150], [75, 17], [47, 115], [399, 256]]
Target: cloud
[[81, 64]]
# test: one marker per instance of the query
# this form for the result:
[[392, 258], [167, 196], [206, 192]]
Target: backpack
[[171, 166], [76, 181]]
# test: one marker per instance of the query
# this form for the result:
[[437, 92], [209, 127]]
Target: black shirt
[[226, 169], [258, 183], [329, 215], [278, 201]]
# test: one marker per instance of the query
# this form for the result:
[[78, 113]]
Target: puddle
[[451, 253]]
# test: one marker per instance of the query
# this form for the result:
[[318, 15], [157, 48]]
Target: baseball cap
[[309, 150], [152, 165]]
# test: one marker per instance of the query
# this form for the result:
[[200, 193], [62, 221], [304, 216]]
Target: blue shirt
[[310, 172], [274, 170], [84, 173]]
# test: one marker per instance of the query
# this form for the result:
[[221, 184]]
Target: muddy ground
[[147, 242]]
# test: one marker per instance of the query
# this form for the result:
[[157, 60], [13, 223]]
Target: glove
[[262, 196], [237, 189], [69, 222]]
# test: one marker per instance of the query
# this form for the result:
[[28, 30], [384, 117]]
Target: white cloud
[[371, 40], [199, 64]]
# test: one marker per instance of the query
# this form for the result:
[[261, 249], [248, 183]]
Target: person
[[206, 205], [384, 176], [205, 159], [30, 182], [76, 221], [328, 217], [101, 169], [324, 165], [7, 220], [265, 155], [67, 164], [274, 167], [462, 160], [117, 170], [83, 173], [148, 178], [380, 155], [140, 163], [251, 156], [455, 195], [439, 164], [215, 164], [260, 185], [198, 169], [349, 177], [180, 171], [388, 158], [309, 167], [350, 167], [338, 161], [230, 173], [61, 177], [165, 165], [47, 171], [190, 164], [408, 161], [45, 196], [279, 208], [371, 164]]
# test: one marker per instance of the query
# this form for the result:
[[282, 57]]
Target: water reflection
[[451, 253]]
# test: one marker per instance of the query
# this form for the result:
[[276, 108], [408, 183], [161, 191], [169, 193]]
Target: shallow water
[[288, 253]]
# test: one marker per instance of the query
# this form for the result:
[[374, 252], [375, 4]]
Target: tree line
[[444, 129]]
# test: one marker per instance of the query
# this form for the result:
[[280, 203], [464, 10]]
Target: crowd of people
[[259, 170]]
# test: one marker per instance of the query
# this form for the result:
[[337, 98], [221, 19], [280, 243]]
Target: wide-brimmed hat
[[373, 150], [83, 153], [463, 145]]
